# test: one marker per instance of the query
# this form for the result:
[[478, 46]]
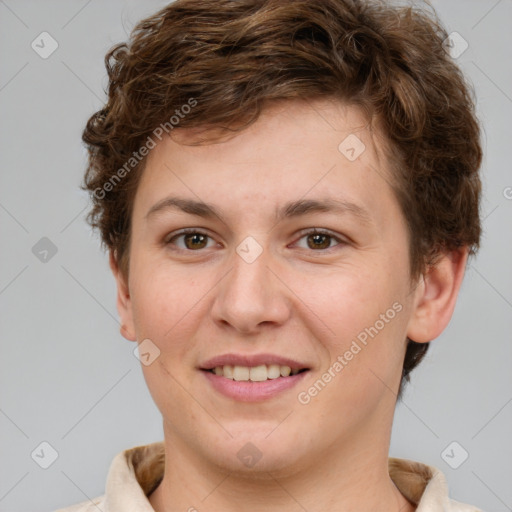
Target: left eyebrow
[[289, 210], [305, 206]]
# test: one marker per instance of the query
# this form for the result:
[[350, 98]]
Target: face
[[277, 251]]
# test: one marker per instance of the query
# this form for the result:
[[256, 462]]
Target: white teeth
[[254, 373], [285, 371], [258, 373], [227, 371], [273, 371], [241, 372]]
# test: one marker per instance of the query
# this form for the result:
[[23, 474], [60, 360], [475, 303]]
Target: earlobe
[[436, 296], [124, 305]]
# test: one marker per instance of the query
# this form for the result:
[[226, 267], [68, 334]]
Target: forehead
[[295, 150], [289, 128]]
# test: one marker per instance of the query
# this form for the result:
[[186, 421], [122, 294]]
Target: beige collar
[[136, 472]]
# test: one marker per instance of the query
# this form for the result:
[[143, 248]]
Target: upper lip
[[251, 360]]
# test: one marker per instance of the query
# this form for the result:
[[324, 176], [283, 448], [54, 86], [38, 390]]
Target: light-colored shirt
[[135, 473]]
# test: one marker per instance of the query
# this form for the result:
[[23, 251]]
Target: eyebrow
[[289, 210]]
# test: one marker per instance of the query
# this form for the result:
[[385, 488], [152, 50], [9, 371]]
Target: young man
[[289, 194]]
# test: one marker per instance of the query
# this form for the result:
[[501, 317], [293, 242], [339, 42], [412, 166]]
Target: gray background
[[70, 379]]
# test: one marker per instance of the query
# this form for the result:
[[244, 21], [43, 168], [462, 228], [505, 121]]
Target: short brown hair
[[227, 59]]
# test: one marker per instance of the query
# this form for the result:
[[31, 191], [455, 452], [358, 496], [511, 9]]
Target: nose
[[252, 296]]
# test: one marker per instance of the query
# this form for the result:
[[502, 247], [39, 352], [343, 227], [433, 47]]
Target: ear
[[124, 304], [436, 296]]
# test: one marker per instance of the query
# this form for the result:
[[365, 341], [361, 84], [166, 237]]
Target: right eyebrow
[[190, 206]]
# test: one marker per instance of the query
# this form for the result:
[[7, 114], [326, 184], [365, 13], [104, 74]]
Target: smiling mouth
[[258, 373]]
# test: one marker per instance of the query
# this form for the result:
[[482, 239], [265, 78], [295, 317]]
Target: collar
[[135, 473]]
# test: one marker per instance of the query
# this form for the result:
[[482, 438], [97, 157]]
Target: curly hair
[[199, 63]]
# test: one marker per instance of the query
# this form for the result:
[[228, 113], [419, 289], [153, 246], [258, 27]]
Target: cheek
[[351, 300], [366, 312], [166, 306], [167, 310]]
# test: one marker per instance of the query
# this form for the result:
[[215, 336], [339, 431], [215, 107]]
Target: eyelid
[[185, 231]]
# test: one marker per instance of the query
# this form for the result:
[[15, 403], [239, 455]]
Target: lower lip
[[248, 391]]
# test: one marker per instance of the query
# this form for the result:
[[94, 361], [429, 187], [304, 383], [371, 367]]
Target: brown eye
[[195, 241], [319, 241], [190, 241]]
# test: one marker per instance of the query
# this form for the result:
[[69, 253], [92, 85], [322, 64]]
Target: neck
[[346, 478]]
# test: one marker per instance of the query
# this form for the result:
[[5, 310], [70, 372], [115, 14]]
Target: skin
[[295, 300]]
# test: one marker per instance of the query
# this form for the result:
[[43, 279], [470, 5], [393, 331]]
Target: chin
[[254, 462], [253, 451]]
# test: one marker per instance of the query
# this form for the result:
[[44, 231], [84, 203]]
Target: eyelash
[[305, 233]]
